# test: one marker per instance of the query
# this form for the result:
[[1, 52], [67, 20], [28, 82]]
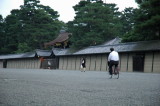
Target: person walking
[[113, 60], [83, 65]]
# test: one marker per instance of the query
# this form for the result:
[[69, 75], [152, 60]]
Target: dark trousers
[[83, 65], [111, 64]]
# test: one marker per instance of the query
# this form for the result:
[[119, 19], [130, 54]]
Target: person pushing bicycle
[[113, 60]]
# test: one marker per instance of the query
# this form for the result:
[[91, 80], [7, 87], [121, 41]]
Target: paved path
[[27, 87]]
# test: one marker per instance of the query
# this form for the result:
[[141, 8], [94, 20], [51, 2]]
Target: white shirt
[[113, 56]]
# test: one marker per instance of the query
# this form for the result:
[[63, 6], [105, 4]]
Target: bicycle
[[115, 71]]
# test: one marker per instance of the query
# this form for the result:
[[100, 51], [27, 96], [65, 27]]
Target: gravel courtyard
[[33, 87]]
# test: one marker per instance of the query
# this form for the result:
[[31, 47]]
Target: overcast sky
[[64, 7]]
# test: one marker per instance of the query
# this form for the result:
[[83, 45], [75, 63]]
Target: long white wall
[[98, 62], [24, 64], [1, 64]]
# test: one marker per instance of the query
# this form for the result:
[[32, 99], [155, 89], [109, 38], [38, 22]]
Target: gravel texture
[[33, 87]]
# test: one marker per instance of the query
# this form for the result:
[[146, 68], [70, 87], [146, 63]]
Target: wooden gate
[[50, 63], [138, 63], [4, 63]]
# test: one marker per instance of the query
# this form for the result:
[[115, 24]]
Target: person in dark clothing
[[83, 64]]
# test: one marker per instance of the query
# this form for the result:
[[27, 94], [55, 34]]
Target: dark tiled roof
[[22, 55], [41, 53], [61, 52], [44, 53], [61, 38], [117, 40], [122, 47]]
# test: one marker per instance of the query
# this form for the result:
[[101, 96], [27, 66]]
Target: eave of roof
[[100, 49], [21, 55], [61, 52], [61, 38], [44, 53], [41, 53], [122, 47]]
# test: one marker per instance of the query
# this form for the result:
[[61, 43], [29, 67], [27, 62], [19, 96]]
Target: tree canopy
[[147, 22], [2, 35], [29, 27], [94, 23]]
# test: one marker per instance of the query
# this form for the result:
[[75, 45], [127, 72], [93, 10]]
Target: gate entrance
[[4, 63], [49, 63], [138, 63]]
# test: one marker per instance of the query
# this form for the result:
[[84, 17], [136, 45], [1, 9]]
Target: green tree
[[94, 23], [128, 20], [31, 26], [2, 35], [147, 22], [11, 33]]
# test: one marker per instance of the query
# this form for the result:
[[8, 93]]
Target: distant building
[[60, 42]]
